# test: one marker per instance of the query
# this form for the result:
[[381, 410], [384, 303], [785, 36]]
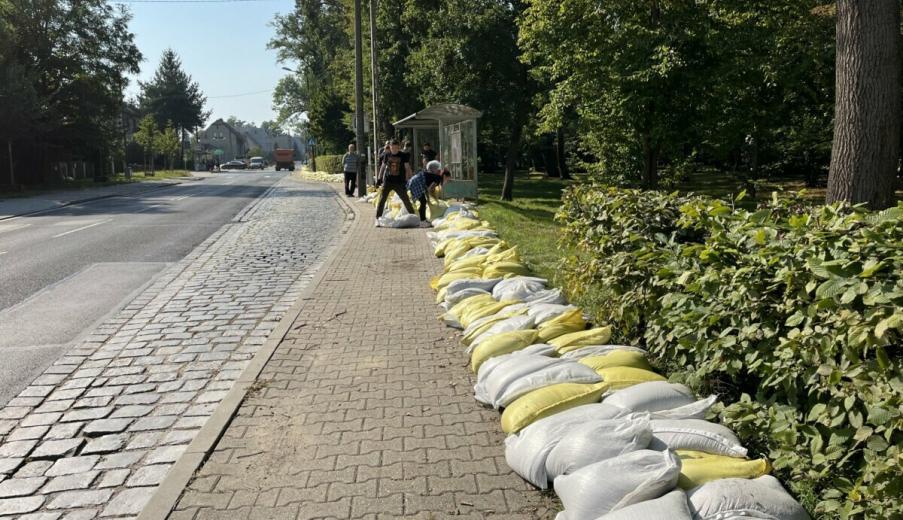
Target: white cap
[[433, 166]]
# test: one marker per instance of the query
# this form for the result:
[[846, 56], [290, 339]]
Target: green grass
[[83, 184]]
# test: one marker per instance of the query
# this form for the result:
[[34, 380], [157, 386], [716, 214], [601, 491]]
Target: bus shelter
[[454, 128]]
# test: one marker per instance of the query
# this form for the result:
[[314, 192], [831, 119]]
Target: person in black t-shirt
[[396, 171], [427, 154], [387, 149]]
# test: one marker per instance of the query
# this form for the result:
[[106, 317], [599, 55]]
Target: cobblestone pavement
[[97, 432], [365, 410]]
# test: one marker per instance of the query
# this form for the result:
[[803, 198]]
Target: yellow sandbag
[[617, 358], [547, 401], [465, 262], [501, 344], [508, 255], [477, 312], [581, 338], [698, 467], [464, 305], [434, 282], [463, 274], [502, 315], [498, 248], [458, 250], [571, 321], [440, 248], [436, 209], [440, 296], [505, 270], [622, 377], [463, 224]]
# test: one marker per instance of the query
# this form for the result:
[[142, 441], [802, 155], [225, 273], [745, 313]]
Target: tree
[[148, 136], [168, 143], [172, 96], [272, 128], [866, 150]]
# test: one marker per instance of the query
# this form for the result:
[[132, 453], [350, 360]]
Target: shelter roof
[[430, 116]]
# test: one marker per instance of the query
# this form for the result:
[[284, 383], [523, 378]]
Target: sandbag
[[501, 344], [695, 410], [453, 316], [552, 296], [571, 321], [547, 401], [463, 294], [612, 484], [518, 288], [623, 377], [598, 350], [477, 327], [617, 358], [539, 349], [477, 251], [493, 380], [582, 338], [402, 221], [595, 441], [462, 274], [520, 376], [503, 255], [696, 435], [479, 311], [543, 312], [465, 262], [505, 270], [652, 397], [762, 497], [672, 506], [697, 468], [505, 325], [477, 283], [527, 451]]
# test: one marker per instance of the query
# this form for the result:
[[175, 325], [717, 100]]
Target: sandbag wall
[[613, 438]]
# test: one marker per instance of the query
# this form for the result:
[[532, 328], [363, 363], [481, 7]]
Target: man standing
[[350, 163], [396, 171], [427, 154]]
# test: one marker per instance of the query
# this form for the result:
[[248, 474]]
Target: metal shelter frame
[[454, 127]]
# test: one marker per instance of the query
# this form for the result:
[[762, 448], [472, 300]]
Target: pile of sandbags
[[615, 439]]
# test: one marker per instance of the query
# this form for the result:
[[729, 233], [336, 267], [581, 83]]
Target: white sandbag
[[539, 349], [527, 450], [491, 382], [616, 483], [543, 312], [652, 396], [547, 296], [672, 506], [402, 221], [736, 498], [520, 322], [470, 283], [477, 251], [598, 350], [463, 294], [695, 410], [594, 441], [696, 435], [508, 383], [518, 288]]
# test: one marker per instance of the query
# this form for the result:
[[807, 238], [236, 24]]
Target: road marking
[[3, 252], [152, 206], [183, 197], [82, 228], [6, 228]]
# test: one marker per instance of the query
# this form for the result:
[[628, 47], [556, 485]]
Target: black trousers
[[399, 187], [350, 183], [422, 209]]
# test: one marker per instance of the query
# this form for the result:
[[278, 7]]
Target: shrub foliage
[[329, 163], [793, 314]]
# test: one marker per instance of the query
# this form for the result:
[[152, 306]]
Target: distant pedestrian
[[396, 171], [427, 154], [422, 183], [351, 162]]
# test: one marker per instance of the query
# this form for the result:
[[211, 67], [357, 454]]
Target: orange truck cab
[[285, 158]]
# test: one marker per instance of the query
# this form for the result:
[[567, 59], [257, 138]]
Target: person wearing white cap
[[421, 183]]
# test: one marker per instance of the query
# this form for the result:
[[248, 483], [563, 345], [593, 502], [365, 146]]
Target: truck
[[285, 158]]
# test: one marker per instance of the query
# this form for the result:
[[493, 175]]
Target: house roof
[[430, 116], [228, 126]]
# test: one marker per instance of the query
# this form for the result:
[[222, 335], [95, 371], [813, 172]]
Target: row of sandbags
[[615, 439], [396, 215]]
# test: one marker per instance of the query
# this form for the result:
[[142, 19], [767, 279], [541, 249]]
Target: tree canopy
[[172, 96]]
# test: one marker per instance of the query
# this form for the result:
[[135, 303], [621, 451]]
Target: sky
[[222, 46]]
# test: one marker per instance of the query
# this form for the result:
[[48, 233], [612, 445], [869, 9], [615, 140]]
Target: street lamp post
[[359, 99]]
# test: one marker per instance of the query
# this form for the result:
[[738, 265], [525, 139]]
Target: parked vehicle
[[285, 158], [234, 164], [257, 163]]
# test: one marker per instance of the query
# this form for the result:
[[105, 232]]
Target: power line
[[240, 95]]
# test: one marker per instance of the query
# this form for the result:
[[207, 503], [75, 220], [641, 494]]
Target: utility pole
[[373, 82], [359, 98]]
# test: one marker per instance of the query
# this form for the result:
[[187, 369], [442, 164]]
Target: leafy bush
[[791, 313], [329, 163]]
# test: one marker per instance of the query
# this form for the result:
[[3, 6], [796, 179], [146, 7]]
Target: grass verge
[[84, 184]]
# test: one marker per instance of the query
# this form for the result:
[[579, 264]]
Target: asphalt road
[[63, 271]]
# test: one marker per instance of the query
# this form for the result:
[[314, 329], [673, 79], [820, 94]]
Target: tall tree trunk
[[181, 149], [866, 148], [650, 163], [12, 173], [560, 155], [517, 130]]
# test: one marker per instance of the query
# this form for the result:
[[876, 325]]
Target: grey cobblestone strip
[[98, 431], [365, 409]]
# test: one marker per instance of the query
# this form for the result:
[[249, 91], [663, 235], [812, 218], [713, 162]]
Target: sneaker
[[376, 222], [425, 224]]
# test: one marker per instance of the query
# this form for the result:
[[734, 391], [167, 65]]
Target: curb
[[90, 199], [167, 495]]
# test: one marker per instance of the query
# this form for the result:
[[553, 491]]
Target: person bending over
[[422, 183]]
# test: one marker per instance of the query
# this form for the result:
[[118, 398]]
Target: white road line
[[183, 197], [152, 206], [3, 252], [8, 228], [76, 230]]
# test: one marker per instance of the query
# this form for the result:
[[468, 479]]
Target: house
[[222, 142], [266, 141]]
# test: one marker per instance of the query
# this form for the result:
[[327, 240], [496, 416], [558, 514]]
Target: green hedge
[[329, 163], [792, 314]]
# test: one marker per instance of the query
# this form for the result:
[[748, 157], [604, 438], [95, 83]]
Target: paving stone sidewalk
[[100, 429], [366, 408]]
